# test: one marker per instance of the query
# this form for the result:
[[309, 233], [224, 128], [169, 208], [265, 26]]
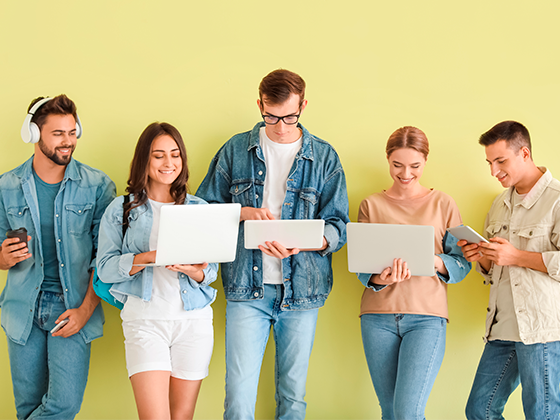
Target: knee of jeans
[[474, 411], [408, 411]]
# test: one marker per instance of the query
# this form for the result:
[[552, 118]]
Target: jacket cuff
[[455, 268], [487, 275], [125, 264], [365, 278], [551, 260], [332, 237], [210, 274]]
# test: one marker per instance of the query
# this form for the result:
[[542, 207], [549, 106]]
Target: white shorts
[[182, 347]]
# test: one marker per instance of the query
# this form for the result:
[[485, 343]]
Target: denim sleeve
[[105, 195], [457, 265], [215, 185], [4, 225], [333, 209], [112, 265], [210, 275], [364, 279]]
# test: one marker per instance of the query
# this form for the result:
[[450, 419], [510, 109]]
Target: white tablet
[[302, 234], [467, 233], [372, 247]]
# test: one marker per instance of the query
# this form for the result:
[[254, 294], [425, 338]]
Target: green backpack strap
[[103, 289]]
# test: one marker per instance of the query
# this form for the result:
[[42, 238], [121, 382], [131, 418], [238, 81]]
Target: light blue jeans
[[248, 326], [49, 374], [505, 364], [404, 353]]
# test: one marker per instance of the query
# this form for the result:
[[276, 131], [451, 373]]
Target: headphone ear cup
[[35, 133], [79, 129]]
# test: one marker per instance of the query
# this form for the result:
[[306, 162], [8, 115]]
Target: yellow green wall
[[451, 68]]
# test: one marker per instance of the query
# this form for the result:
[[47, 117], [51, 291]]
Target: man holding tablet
[[278, 170], [521, 262]]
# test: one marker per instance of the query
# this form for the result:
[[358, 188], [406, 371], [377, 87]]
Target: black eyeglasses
[[287, 119]]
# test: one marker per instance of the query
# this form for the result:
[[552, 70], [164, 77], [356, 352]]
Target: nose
[[494, 170], [281, 125]]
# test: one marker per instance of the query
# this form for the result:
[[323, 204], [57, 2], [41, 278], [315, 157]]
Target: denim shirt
[[115, 257], [456, 264], [84, 194], [316, 189]]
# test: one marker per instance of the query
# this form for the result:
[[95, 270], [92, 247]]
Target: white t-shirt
[[166, 302], [505, 325], [279, 159]]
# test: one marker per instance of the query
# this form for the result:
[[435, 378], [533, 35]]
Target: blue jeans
[[404, 353], [49, 374], [247, 330], [505, 364]]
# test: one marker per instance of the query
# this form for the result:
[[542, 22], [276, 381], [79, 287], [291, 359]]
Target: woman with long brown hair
[[404, 317], [167, 317]]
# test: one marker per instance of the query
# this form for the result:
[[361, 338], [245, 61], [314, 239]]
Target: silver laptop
[[198, 233], [372, 247], [303, 234]]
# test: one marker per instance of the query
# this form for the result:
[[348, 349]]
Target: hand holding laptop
[[194, 271], [395, 274]]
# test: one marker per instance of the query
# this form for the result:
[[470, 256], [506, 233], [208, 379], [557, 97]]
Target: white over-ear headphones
[[30, 132]]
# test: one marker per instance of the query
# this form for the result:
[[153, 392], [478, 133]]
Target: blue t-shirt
[[46, 193]]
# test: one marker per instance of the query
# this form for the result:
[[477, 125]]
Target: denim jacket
[[316, 189], [116, 256], [84, 194]]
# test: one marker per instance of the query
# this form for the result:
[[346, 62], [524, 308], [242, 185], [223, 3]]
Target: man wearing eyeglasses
[[278, 170]]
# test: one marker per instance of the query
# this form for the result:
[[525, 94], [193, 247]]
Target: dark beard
[[51, 154]]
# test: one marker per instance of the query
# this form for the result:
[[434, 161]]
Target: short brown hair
[[59, 105], [515, 135], [278, 85], [408, 138]]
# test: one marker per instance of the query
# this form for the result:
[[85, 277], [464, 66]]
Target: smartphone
[[60, 325]]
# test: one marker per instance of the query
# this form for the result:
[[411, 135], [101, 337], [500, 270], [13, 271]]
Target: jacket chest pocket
[[532, 238], [242, 193], [308, 203], [79, 218], [20, 216], [497, 229]]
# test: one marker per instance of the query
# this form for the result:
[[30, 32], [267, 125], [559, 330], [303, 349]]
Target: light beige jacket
[[533, 225]]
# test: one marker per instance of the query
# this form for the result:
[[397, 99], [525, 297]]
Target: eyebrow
[[163, 151], [276, 116], [414, 163], [62, 131], [498, 158]]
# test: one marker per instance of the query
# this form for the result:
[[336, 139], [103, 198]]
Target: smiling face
[[406, 166], [58, 138], [282, 132], [165, 162], [506, 164]]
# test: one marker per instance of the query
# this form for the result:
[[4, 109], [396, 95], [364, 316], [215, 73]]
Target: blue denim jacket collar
[[305, 152], [25, 171]]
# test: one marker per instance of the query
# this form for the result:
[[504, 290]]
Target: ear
[[259, 104], [525, 153], [303, 105]]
